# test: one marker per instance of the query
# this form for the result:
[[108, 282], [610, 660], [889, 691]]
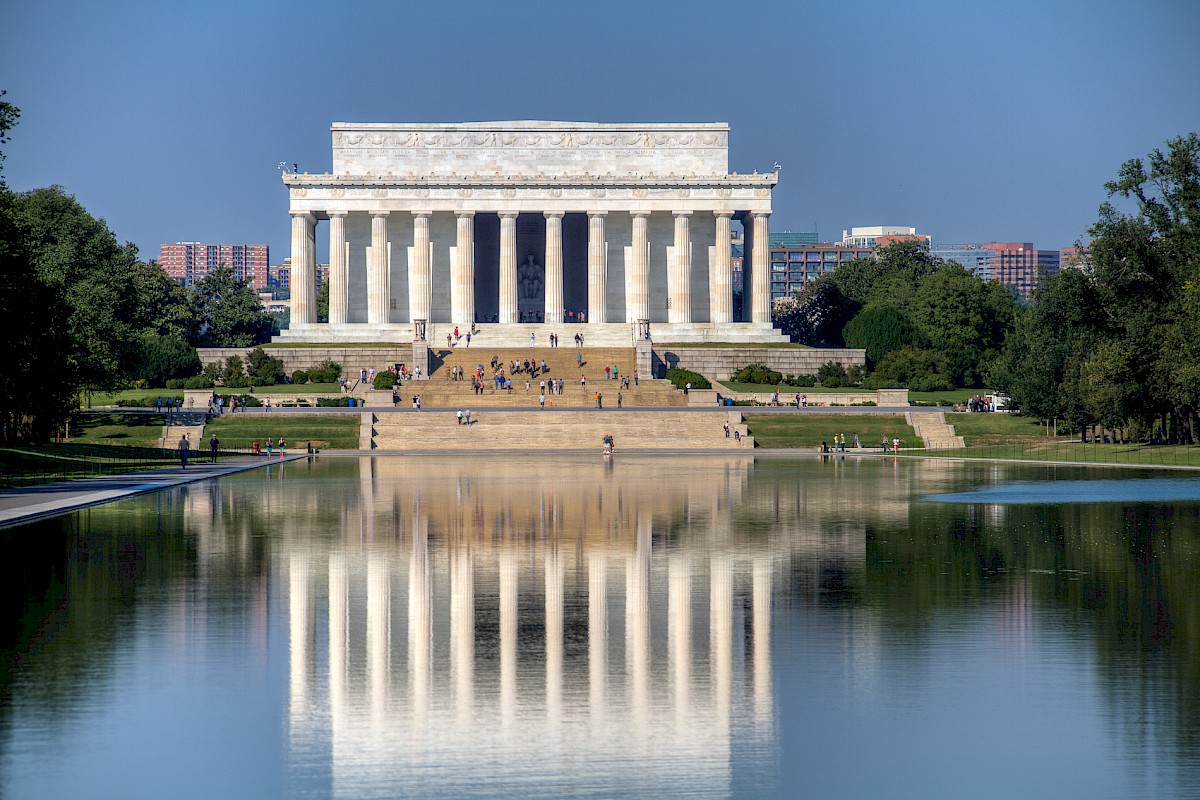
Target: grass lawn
[[339, 346], [948, 398], [992, 429], [334, 431], [141, 430], [809, 430], [110, 398], [731, 345], [1074, 450]]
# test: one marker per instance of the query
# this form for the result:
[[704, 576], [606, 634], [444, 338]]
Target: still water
[[642, 627]]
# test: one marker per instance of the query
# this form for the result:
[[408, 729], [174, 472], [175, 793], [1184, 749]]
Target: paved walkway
[[18, 506]]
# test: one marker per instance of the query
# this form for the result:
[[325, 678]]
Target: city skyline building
[[189, 262]]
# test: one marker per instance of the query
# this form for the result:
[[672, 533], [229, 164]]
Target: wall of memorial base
[[612, 334]]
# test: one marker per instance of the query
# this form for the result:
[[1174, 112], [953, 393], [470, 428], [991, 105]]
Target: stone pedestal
[[644, 358], [420, 353]]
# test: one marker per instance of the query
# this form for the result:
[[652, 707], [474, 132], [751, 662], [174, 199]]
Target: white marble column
[[554, 267], [720, 279], [638, 301], [760, 277], [762, 642], [420, 270], [462, 283], [508, 267], [597, 310], [339, 270], [597, 634], [554, 638], [462, 632], [679, 274], [379, 282], [509, 576], [304, 297]]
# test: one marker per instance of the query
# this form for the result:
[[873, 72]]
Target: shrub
[[832, 375], [682, 377], [325, 372], [176, 383], [385, 380], [758, 373], [234, 373], [879, 330], [331, 402], [802, 381], [299, 376], [909, 368], [157, 358], [264, 369], [198, 382]]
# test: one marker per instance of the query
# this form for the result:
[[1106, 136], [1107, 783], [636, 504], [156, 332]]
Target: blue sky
[[972, 121]]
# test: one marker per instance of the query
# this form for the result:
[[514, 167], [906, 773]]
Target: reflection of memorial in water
[[482, 629]]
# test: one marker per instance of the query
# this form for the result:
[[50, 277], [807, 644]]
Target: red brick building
[[1017, 264], [189, 262]]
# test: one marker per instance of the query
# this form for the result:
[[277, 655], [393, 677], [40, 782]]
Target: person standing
[[184, 447], [213, 445], [726, 429], [618, 399], [460, 416], [542, 400], [468, 340], [467, 417]]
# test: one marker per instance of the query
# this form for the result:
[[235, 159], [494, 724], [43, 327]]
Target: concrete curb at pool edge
[[27, 504]]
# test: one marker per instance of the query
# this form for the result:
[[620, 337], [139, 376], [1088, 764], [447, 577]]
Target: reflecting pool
[[645, 626]]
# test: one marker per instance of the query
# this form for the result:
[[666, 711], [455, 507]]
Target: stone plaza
[[618, 232]]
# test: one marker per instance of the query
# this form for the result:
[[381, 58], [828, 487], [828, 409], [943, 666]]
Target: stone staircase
[[189, 423], [554, 431], [561, 362], [934, 430]]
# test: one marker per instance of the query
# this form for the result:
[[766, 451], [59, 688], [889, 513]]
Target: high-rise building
[[794, 267], [974, 257], [1018, 264], [793, 238], [880, 235], [189, 262], [281, 275]]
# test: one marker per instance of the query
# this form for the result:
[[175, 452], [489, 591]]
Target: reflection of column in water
[[366, 482], [637, 621], [762, 643], [554, 636], [338, 620], [462, 630], [679, 629], [720, 626], [299, 635], [419, 613], [508, 635], [597, 631], [379, 629]]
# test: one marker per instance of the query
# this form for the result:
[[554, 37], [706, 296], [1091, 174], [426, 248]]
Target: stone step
[[538, 430]]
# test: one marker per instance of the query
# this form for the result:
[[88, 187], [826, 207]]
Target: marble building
[[531, 227]]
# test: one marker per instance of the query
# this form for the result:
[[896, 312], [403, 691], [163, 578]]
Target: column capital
[[508, 214], [760, 213], [422, 213], [723, 212], [383, 214], [308, 215], [682, 213], [552, 214], [464, 214], [639, 214], [332, 214], [597, 214]]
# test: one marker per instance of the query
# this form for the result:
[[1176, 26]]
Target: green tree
[[164, 356], [323, 303], [229, 313], [816, 314], [880, 329], [162, 303], [264, 369]]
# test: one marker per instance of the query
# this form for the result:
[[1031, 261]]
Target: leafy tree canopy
[[228, 312]]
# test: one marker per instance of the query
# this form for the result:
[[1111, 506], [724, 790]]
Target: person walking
[[726, 429], [542, 400], [532, 338], [184, 447], [467, 417], [468, 340], [618, 399], [213, 445], [460, 416]]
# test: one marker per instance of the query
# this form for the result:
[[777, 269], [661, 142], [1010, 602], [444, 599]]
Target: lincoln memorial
[[618, 232]]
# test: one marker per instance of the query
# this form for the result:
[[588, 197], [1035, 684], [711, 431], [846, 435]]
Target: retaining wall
[[719, 363]]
